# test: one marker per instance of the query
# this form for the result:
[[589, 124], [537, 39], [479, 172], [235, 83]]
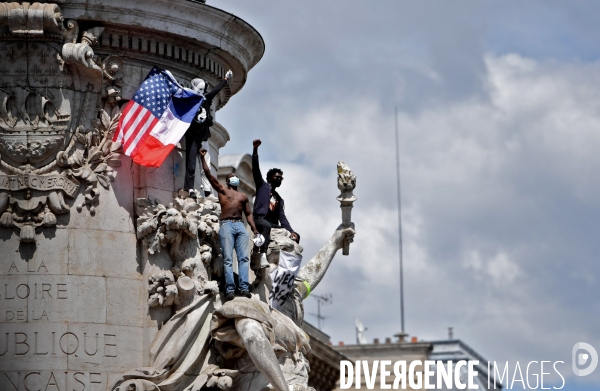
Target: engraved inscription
[[53, 344], [39, 182], [31, 268], [53, 380], [11, 291], [21, 316]]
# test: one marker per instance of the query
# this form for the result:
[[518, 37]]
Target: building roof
[[242, 165], [235, 160]]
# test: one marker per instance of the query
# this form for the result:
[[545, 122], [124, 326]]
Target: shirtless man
[[232, 232]]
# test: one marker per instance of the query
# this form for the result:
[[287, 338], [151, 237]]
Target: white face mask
[[199, 85], [234, 181]]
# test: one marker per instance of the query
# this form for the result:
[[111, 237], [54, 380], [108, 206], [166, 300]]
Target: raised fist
[[256, 143], [203, 152]]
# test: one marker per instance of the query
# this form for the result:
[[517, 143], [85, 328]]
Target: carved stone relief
[[240, 344], [189, 229], [54, 133]]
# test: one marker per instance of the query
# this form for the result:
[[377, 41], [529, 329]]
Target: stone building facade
[[324, 360], [73, 276]]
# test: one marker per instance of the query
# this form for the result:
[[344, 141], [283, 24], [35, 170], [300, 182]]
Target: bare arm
[[312, 273], [213, 181], [249, 216]]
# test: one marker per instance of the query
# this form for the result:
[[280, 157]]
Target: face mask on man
[[234, 181]]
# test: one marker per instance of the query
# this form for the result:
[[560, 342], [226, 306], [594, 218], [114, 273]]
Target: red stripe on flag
[[118, 136], [142, 126], [145, 130], [150, 152], [130, 124]]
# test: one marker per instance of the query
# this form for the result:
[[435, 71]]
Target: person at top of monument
[[199, 132], [269, 209], [232, 231]]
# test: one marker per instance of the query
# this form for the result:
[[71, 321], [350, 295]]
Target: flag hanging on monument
[[157, 117]]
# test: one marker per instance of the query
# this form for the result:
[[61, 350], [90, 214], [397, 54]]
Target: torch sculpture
[[346, 183]]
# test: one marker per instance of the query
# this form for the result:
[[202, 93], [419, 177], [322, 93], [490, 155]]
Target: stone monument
[[108, 274], [73, 276]]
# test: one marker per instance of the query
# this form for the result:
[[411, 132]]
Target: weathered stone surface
[[103, 253], [161, 177], [133, 76], [126, 302], [114, 212]]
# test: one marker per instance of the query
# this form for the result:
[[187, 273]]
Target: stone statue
[[253, 345], [346, 183], [188, 228], [269, 340]]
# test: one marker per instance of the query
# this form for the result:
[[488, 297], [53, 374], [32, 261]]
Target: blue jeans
[[233, 234]]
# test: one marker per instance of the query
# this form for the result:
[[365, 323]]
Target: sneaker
[[246, 294], [229, 296], [263, 261], [192, 194]]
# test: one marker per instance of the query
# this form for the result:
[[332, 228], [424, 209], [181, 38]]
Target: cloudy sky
[[499, 121]]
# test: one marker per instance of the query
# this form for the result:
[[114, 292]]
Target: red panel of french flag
[[157, 117]]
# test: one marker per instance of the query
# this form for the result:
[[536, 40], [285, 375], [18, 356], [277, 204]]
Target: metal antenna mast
[[402, 334], [324, 299]]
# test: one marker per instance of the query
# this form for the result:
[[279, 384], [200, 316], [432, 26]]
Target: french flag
[[157, 117]]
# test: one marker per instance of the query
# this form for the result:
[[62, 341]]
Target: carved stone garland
[[53, 133], [189, 229]]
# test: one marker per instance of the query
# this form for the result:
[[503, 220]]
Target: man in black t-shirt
[[269, 208]]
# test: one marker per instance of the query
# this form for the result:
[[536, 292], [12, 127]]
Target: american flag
[[156, 118]]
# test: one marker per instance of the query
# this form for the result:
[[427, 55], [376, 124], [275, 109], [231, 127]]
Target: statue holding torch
[[346, 183]]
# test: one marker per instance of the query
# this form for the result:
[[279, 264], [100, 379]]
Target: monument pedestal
[[74, 311]]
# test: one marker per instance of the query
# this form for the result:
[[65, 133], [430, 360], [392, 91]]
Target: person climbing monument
[[199, 132], [232, 231], [269, 208]]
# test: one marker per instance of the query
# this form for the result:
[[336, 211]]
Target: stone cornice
[[211, 32], [219, 134]]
